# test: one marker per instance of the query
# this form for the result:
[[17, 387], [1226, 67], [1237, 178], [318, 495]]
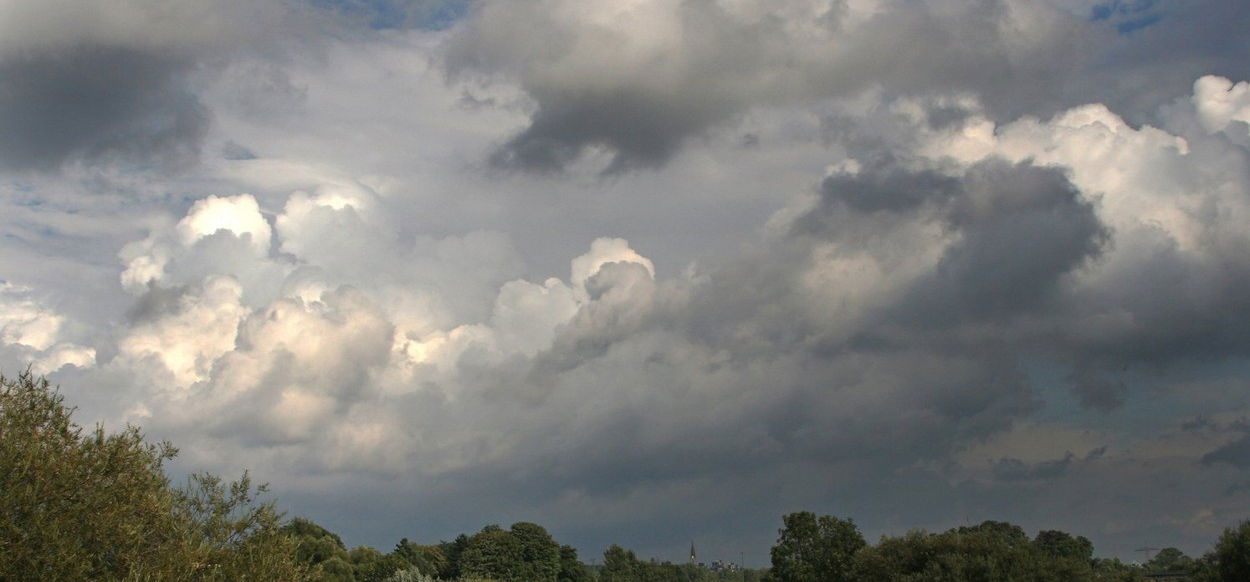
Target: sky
[[648, 271]]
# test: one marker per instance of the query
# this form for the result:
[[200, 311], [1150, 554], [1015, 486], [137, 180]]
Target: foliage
[[1113, 570], [425, 558], [1231, 555], [370, 565], [525, 553], [321, 550], [812, 549], [620, 565], [452, 551], [409, 575], [1170, 560], [991, 551], [98, 506], [571, 569]]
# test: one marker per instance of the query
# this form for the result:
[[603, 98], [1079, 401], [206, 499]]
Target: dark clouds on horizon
[[976, 260]]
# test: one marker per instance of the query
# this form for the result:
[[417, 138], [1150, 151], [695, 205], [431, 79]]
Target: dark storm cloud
[[89, 102], [1236, 453], [702, 65], [1097, 388], [1023, 228], [1011, 469], [643, 131]]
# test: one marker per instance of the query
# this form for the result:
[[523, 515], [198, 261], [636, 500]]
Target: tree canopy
[[89, 505]]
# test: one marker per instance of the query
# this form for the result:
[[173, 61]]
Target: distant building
[[694, 559]]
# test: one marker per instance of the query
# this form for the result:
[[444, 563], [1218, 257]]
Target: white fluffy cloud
[[1220, 102], [37, 333]]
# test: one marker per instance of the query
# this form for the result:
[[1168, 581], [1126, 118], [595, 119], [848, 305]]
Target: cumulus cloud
[[33, 334], [1219, 102], [597, 82]]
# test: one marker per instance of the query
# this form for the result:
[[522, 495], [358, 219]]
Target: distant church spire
[[693, 558]]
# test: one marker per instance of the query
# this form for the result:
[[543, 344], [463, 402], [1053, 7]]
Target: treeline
[[86, 505], [808, 549], [525, 552], [812, 549]]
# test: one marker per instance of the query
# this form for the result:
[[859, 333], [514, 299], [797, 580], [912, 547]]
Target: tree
[[571, 568], [371, 565], [1067, 557], [1170, 560], [1061, 545], [428, 559], [320, 549], [811, 549], [620, 565], [492, 553], [98, 506], [1231, 555], [539, 553], [452, 551]]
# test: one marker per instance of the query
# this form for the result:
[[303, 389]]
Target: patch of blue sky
[[1128, 16], [1155, 398], [391, 14], [1129, 26], [1107, 10]]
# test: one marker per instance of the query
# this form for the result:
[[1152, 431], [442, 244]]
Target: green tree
[[1063, 546], [1065, 557], [620, 565], [539, 553], [989, 552], [371, 565], [428, 559], [98, 506], [320, 549], [1113, 570], [492, 553], [571, 568], [811, 549], [1231, 555], [1170, 560], [451, 552]]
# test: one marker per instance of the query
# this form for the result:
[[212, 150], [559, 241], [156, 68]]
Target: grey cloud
[[97, 101], [593, 85], [642, 130], [1011, 469], [887, 187], [156, 302], [1097, 388], [1236, 453], [1023, 229]]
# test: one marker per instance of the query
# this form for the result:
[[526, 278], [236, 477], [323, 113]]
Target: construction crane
[[1147, 550]]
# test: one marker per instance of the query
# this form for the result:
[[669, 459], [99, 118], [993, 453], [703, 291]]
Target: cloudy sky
[[648, 271]]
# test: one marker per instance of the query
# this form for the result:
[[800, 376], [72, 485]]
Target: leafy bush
[[94, 506]]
